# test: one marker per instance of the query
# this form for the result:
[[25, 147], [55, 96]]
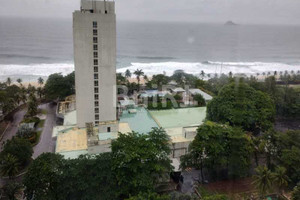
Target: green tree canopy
[[241, 105], [219, 147], [19, 148], [59, 86], [140, 161]]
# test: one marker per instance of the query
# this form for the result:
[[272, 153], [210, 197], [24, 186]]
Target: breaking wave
[[210, 67]]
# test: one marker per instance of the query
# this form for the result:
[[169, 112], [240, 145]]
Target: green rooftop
[[182, 117], [140, 122]]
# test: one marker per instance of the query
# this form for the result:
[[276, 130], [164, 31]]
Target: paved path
[[13, 127], [46, 143]]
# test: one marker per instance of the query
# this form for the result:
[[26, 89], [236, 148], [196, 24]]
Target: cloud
[[241, 11]]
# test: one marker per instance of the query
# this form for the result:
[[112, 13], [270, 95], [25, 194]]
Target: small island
[[230, 23]]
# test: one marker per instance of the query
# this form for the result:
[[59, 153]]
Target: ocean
[[30, 48]]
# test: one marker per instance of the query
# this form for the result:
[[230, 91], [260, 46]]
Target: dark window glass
[[95, 62], [95, 24], [95, 32], [96, 96], [95, 54], [95, 69], [95, 76], [96, 90], [96, 83], [96, 117], [95, 40], [95, 47]]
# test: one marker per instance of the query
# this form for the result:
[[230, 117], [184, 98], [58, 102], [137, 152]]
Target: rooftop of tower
[[94, 6]]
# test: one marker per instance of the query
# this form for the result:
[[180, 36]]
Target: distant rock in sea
[[230, 23]]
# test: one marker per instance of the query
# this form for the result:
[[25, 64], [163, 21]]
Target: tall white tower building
[[94, 34]]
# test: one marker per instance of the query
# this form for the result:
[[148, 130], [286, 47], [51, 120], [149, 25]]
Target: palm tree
[[8, 81], [263, 180], [146, 78], [280, 178], [9, 166], [138, 74], [127, 73], [40, 81], [11, 189], [40, 91], [19, 81], [202, 74]]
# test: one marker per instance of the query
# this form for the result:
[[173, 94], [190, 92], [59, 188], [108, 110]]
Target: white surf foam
[[210, 67], [34, 70]]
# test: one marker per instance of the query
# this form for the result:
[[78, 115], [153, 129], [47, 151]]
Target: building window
[[95, 47], [96, 117], [96, 103], [95, 39], [95, 24], [96, 83], [95, 62], [95, 32], [95, 76], [95, 54], [96, 69], [96, 90], [108, 129], [96, 96], [96, 110], [96, 123]]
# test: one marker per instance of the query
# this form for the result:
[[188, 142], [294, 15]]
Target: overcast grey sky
[[240, 11]]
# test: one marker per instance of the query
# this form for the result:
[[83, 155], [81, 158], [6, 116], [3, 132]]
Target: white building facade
[[94, 35]]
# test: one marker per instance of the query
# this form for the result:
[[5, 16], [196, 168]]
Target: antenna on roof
[[105, 7]]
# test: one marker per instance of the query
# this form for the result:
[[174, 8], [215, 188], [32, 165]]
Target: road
[[13, 127], [46, 143]]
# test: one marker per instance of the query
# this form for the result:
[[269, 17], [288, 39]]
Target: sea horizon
[[154, 47]]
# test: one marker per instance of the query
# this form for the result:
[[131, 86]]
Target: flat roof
[[72, 139], [73, 154], [70, 118], [140, 122], [182, 117]]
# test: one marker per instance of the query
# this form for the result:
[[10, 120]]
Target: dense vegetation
[[58, 86], [241, 105], [136, 165]]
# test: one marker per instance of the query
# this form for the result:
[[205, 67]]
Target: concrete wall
[[84, 63]]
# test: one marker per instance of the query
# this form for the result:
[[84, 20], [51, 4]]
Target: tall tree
[[32, 106], [280, 178], [140, 160], [202, 74], [8, 81], [263, 180], [19, 81], [59, 86], [219, 148], [19, 148], [40, 81], [9, 165], [127, 73], [241, 105], [138, 74], [44, 178], [11, 189]]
